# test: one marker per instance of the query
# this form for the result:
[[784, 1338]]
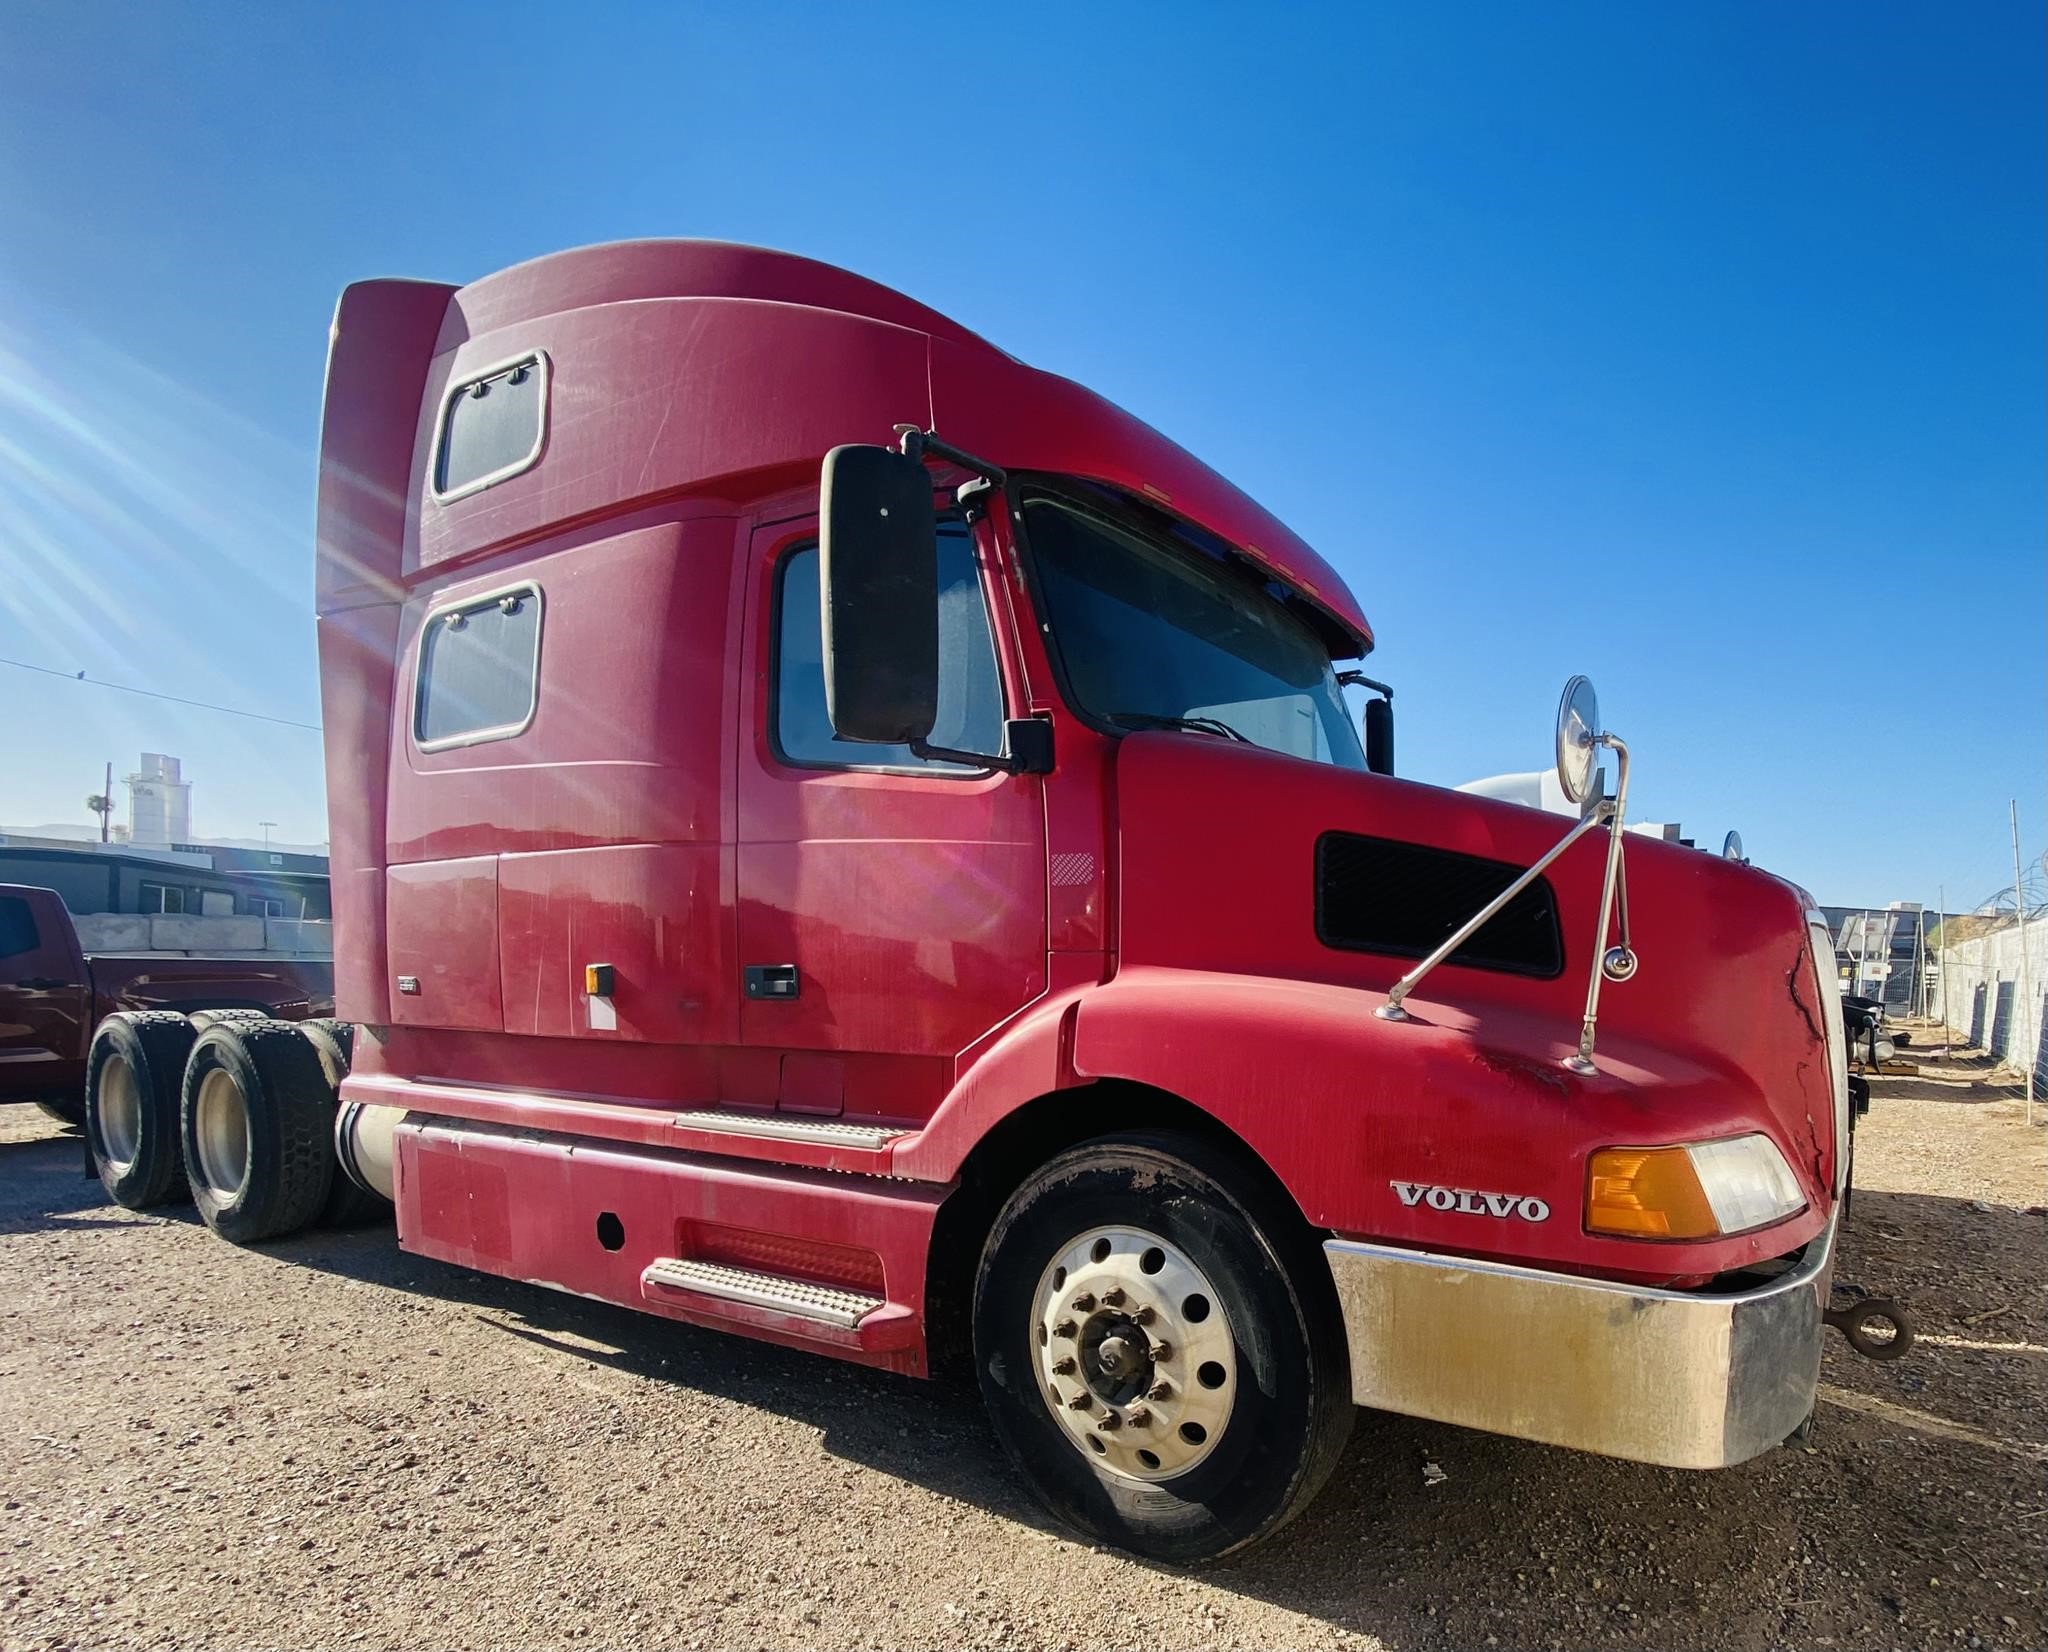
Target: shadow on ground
[[1531, 1545]]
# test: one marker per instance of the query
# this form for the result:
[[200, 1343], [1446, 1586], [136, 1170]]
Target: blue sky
[[1699, 348]]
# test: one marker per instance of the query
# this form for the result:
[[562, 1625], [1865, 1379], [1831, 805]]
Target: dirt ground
[[325, 1442]]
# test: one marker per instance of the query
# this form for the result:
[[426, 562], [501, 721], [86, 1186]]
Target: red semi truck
[[843, 837]]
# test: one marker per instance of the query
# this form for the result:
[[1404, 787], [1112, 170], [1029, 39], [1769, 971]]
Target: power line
[[150, 693]]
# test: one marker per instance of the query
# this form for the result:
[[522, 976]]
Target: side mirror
[[1578, 751], [878, 564], [1379, 736]]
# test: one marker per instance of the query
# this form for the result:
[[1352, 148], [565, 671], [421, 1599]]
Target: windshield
[[1155, 635]]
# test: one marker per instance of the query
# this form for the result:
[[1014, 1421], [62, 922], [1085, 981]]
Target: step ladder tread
[[781, 1127], [831, 1304]]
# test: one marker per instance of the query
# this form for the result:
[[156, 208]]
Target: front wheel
[[1153, 1350]]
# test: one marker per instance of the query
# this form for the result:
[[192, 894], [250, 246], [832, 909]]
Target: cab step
[[781, 1127], [799, 1298]]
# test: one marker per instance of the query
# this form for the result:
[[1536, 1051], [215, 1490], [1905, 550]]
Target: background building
[[196, 878]]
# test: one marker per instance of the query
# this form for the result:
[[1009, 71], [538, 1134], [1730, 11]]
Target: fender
[[1341, 1106]]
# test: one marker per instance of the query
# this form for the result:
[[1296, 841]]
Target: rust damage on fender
[[1800, 961], [1792, 980]]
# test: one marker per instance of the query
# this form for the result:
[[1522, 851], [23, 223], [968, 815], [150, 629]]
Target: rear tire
[[202, 1019], [132, 1077], [256, 1118], [1155, 1352]]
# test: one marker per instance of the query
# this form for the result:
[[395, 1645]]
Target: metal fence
[[1995, 988]]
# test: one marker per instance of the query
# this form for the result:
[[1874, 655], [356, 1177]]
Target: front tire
[[1154, 1352]]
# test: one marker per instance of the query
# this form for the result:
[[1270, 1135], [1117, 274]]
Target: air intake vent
[[1376, 894]]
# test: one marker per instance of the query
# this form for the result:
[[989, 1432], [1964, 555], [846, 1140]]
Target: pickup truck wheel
[[131, 1105], [257, 1121], [1150, 1359]]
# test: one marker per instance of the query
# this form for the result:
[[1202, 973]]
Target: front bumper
[[1680, 1378]]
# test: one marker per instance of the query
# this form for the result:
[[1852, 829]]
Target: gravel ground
[[326, 1442]]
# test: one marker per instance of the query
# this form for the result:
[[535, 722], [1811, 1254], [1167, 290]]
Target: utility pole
[[107, 797], [1919, 999], [1941, 940], [2019, 902], [266, 825]]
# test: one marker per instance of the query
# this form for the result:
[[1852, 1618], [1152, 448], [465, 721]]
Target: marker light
[[1691, 1192]]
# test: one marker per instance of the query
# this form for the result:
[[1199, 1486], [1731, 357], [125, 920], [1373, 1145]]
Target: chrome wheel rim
[[220, 1130], [120, 1113], [1134, 1353]]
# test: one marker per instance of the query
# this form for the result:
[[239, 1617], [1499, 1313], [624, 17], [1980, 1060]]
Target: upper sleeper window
[[479, 664], [491, 427]]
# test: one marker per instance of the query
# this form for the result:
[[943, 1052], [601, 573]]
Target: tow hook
[[1876, 1326]]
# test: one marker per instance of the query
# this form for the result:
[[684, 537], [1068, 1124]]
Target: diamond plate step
[[827, 1304], [780, 1127]]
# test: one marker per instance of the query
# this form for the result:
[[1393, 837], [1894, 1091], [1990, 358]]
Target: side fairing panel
[[383, 339]]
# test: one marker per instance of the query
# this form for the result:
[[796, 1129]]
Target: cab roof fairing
[[981, 398]]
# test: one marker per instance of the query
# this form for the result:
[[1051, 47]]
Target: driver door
[[891, 910]]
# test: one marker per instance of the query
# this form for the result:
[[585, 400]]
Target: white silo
[[159, 803]]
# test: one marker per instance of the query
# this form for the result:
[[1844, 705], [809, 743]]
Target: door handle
[[771, 980], [41, 983]]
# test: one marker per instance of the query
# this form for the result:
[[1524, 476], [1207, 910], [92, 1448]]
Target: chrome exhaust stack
[[362, 1144]]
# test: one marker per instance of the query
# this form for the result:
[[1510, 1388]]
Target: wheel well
[[1025, 1139]]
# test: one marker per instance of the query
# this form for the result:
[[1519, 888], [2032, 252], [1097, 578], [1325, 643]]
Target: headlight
[[1697, 1191]]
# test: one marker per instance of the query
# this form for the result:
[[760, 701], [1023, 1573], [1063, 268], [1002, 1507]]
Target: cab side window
[[970, 686], [17, 927]]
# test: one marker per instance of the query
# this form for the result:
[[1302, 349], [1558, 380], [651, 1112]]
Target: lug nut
[[1083, 1401], [1139, 1417], [1143, 1315], [1160, 1351], [1063, 1366], [1109, 1422], [1158, 1391], [1113, 1297], [1065, 1328], [1084, 1303]]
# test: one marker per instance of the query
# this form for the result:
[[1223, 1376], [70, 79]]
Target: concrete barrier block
[[113, 932], [186, 932], [301, 935]]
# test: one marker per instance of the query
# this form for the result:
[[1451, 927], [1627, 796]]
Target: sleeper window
[[970, 688], [477, 670]]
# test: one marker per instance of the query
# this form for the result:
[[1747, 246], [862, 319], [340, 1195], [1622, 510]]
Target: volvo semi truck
[[842, 837]]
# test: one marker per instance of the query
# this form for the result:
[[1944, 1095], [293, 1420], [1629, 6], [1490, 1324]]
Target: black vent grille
[[1376, 894]]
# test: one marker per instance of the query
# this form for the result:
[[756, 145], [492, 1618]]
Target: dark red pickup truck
[[52, 995]]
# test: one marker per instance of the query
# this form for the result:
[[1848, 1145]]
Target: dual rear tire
[[132, 1078], [235, 1108], [256, 1121]]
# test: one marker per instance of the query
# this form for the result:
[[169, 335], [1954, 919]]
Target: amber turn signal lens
[[1647, 1193]]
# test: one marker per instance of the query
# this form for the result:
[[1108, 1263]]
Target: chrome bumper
[[1657, 1376]]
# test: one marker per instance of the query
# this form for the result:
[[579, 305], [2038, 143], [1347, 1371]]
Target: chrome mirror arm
[[1617, 962], [1391, 1010]]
